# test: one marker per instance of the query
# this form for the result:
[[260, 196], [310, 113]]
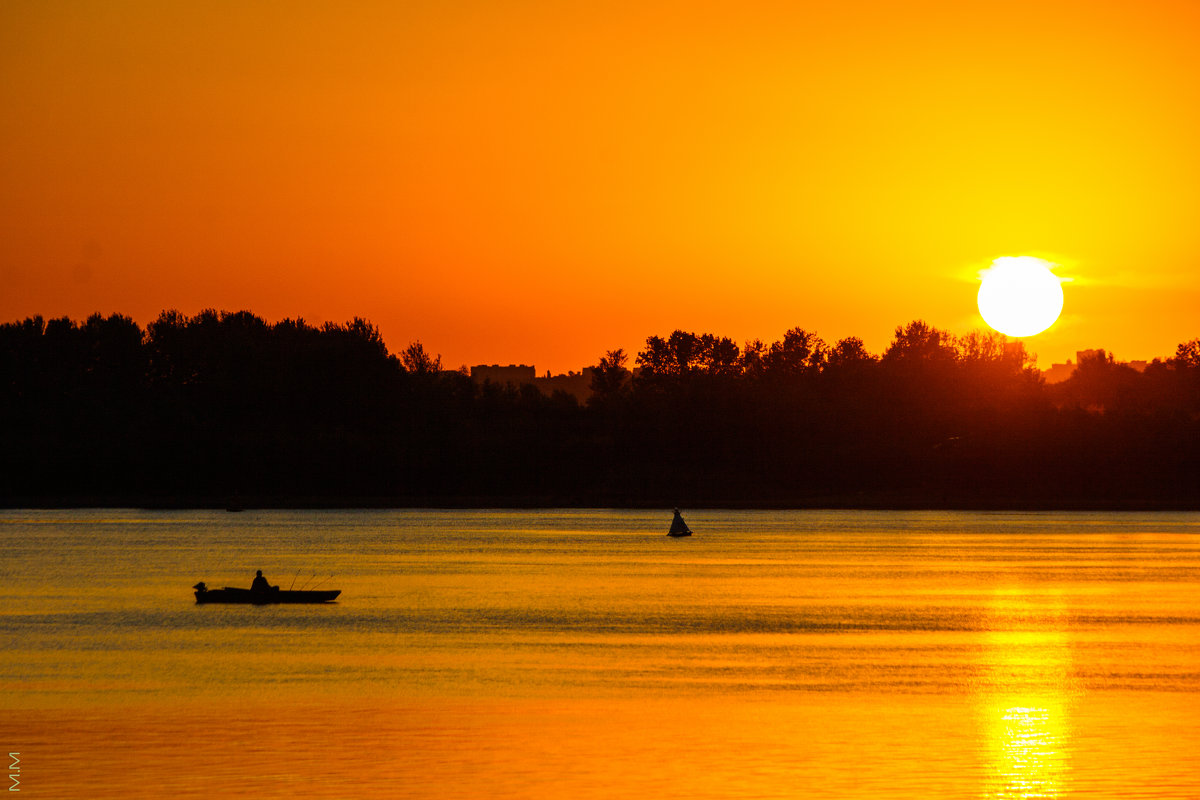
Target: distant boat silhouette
[[678, 526], [262, 598]]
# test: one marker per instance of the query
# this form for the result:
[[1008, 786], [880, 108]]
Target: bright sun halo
[[1020, 296]]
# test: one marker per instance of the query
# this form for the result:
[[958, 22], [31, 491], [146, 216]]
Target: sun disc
[[1020, 296]]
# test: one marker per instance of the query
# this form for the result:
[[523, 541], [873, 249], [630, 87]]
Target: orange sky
[[541, 182]]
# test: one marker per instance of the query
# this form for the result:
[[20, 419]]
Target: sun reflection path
[[1026, 700], [1029, 757]]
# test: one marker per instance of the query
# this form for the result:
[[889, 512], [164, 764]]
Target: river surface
[[583, 654]]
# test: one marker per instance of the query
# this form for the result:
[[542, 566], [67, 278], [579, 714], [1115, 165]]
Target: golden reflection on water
[[1027, 695], [479, 655], [1029, 752]]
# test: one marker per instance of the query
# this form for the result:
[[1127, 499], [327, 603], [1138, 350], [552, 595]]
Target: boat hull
[[274, 597], [677, 534]]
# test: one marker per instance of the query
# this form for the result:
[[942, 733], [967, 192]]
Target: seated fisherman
[[260, 583]]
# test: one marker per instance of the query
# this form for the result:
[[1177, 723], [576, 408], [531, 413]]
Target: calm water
[[583, 654]]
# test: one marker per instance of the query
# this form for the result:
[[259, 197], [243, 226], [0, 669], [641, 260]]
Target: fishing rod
[[297, 575], [306, 580], [322, 581]]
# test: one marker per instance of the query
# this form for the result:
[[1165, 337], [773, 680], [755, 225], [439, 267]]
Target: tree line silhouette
[[225, 408]]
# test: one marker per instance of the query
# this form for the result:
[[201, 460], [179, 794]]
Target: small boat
[[678, 526], [262, 598]]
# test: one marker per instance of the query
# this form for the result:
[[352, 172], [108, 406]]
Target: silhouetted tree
[[1187, 355], [1101, 385], [753, 359], [610, 378], [686, 352], [920, 342], [656, 360], [848, 352], [417, 361], [677, 356], [723, 356], [799, 352]]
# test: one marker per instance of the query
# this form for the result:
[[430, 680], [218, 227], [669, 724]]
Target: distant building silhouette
[[512, 375], [1061, 372], [577, 384]]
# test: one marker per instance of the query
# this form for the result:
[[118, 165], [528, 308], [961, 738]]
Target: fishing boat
[[678, 526], [262, 598]]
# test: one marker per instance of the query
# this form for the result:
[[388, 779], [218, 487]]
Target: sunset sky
[[541, 182]]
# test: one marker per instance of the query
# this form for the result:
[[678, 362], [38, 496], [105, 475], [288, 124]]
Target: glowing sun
[[1020, 296]]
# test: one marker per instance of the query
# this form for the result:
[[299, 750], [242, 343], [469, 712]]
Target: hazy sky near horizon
[[541, 182]]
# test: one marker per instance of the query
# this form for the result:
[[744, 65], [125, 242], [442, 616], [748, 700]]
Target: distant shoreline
[[880, 501], [227, 411]]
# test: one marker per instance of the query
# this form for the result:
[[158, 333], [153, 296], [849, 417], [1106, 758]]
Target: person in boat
[[260, 583]]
